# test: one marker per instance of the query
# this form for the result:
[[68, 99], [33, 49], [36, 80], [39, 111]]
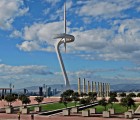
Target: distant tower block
[[84, 85], [103, 90], [98, 89], [94, 87], [89, 89], [106, 89], [109, 89], [79, 86]]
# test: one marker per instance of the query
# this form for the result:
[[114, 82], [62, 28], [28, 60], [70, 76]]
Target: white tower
[[63, 39]]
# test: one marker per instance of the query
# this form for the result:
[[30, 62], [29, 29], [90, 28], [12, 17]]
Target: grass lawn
[[99, 108], [117, 106], [54, 106]]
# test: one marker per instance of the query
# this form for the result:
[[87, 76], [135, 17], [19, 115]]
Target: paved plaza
[[4, 116]]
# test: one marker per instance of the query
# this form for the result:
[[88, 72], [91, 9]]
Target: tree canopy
[[103, 102], [127, 102], [10, 98]]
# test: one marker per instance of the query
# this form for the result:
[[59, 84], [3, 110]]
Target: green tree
[[127, 102], [138, 95], [66, 97], [103, 102], [92, 96], [83, 94], [131, 95], [113, 94], [39, 99], [68, 92], [75, 97], [10, 98], [0, 98], [122, 94], [112, 100], [85, 101], [25, 99]]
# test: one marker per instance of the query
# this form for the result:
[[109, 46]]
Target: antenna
[[65, 25], [65, 18]]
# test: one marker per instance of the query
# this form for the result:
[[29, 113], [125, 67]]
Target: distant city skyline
[[106, 47]]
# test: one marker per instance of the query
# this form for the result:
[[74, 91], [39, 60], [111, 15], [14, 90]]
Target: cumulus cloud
[[119, 41], [38, 35], [16, 34], [106, 9], [9, 10]]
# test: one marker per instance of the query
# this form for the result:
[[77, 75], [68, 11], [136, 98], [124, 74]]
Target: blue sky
[[106, 46]]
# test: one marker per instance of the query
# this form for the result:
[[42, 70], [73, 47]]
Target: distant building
[[40, 91]]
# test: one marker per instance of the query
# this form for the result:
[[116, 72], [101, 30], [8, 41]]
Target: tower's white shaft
[[67, 84]]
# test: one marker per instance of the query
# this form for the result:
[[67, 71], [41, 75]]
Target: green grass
[[54, 106], [118, 108], [99, 108]]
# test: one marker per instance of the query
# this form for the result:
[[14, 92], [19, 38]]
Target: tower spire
[[65, 25], [65, 17]]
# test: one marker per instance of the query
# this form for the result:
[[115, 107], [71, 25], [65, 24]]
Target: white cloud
[[53, 2], [106, 9], [38, 35], [16, 33], [28, 46], [118, 42], [9, 10]]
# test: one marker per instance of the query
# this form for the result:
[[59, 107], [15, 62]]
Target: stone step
[[137, 111]]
